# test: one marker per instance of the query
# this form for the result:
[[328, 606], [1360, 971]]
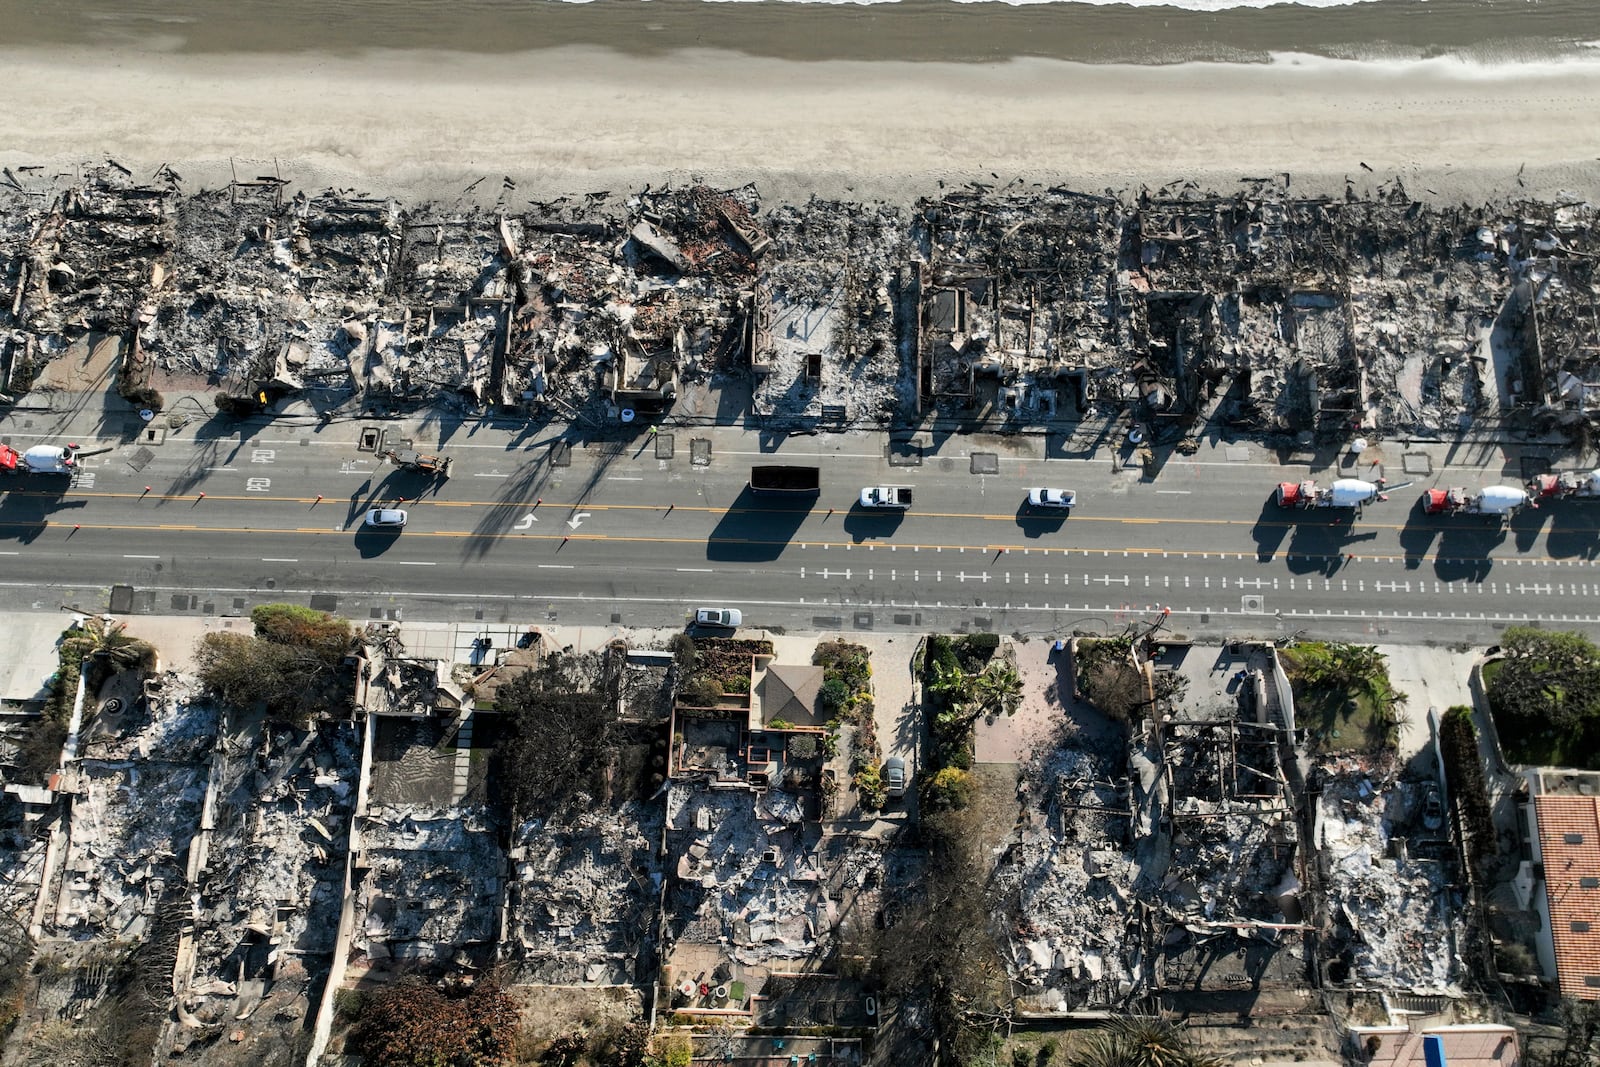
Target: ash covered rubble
[[137, 793], [1285, 315], [270, 881], [1167, 863], [82, 254], [1016, 320], [1067, 881], [1230, 912], [824, 344], [621, 307], [24, 841], [430, 887], [271, 295], [1556, 319], [747, 876], [1262, 311], [584, 892], [1388, 882]]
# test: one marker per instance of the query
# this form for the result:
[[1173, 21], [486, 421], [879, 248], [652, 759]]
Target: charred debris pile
[[1260, 310]]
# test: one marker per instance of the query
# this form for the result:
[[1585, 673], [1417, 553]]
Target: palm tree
[[998, 690], [1140, 1041]]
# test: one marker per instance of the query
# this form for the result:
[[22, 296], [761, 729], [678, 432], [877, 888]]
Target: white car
[[385, 518], [727, 618], [1058, 499]]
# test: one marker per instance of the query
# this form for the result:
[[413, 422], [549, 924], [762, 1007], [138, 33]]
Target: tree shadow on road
[[515, 507]]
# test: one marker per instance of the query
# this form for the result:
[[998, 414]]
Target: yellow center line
[[900, 546], [915, 516]]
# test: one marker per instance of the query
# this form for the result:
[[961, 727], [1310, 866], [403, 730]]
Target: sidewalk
[[83, 417]]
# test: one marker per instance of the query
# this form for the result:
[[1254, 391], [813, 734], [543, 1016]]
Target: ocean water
[[1482, 33]]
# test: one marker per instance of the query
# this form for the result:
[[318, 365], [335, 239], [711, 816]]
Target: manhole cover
[[1416, 463], [141, 458], [180, 601], [1533, 466], [324, 602], [664, 446], [863, 620], [1251, 602], [986, 463], [561, 454], [121, 599], [1237, 453], [983, 623], [700, 451], [947, 465], [827, 622]]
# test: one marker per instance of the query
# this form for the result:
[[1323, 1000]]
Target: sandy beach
[[567, 120]]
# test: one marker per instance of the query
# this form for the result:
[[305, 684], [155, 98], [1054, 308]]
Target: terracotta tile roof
[[1569, 842]]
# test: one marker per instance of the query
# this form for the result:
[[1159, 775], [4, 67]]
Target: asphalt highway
[[525, 530]]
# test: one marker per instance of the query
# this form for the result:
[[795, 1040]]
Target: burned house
[[1388, 882], [1017, 318], [1164, 861], [824, 316], [1554, 311]]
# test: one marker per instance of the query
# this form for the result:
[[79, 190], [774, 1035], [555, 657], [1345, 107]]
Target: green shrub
[[870, 786], [683, 650], [975, 650], [832, 696], [701, 691], [948, 789], [349, 1003], [739, 683]]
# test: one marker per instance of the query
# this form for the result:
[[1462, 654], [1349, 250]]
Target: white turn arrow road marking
[[577, 520], [526, 522]]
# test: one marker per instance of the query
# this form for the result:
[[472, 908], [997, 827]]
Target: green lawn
[[1338, 718], [1548, 748], [1332, 725]]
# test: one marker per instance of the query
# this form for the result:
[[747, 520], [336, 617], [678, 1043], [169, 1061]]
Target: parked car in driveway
[[385, 518], [894, 776], [1053, 499], [727, 618]]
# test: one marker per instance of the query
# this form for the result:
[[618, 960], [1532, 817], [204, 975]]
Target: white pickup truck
[[897, 497]]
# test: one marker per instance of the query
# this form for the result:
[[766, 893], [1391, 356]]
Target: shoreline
[[1097, 32], [564, 121]]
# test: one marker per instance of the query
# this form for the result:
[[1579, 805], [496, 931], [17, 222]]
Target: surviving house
[[1564, 836]]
